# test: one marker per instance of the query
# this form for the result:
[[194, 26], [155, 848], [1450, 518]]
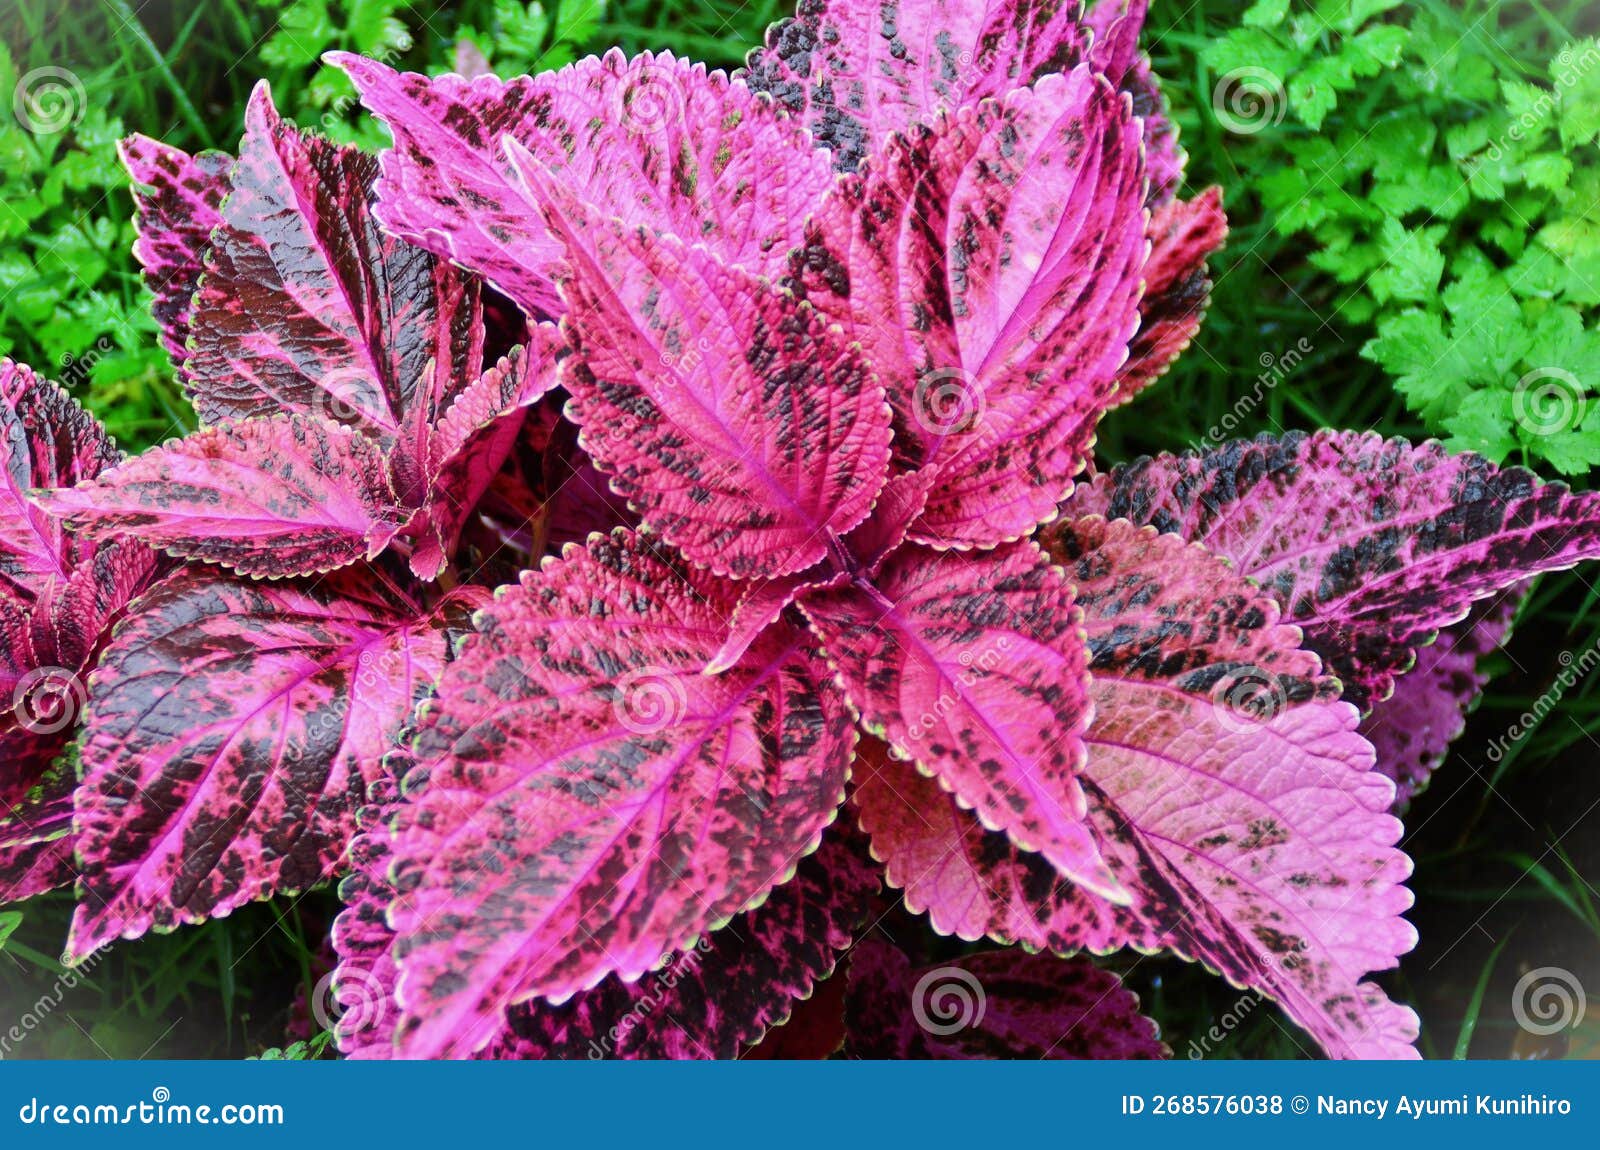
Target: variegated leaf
[[582, 800], [745, 430], [1233, 797], [288, 495], [974, 668], [655, 140], [46, 440], [306, 307], [990, 266], [232, 732], [1371, 545], [177, 197], [857, 74]]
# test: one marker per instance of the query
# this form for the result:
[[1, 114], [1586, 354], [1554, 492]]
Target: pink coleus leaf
[[655, 140], [723, 994], [583, 800], [997, 1004], [233, 729], [46, 440], [306, 307], [857, 74], [1177, 288], [1231, 794], [1413, 728], [470, 445], [974, 668], [990, 266], [288, 495], [1371, 545], [743, 427], [178, 197]]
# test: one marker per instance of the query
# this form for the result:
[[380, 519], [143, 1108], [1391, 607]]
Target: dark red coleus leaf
[[1371, 545], [178, 199], [998, 1004]]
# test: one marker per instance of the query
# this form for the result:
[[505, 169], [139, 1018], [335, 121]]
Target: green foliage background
[[1415, 249]]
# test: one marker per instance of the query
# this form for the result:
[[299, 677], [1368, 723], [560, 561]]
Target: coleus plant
[[833, 336]]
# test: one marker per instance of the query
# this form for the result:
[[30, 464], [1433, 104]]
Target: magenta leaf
[[1177, 289], [1230, 793], [997, 1004], [1115, 26], [307, 308], [746, 431], [1414, 727], [857, 74], [718, 997], [973, 668], [1371, 546], [990, 266], [583, 800], [46, 440], [289, 495], [177, 196], [233, 729], [655, 140]]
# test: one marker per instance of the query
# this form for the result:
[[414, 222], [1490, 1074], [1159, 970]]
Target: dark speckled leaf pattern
[[1370, 545], [655, 140], [307, 308], [745, 430], [289, 495], [990, 266], [1231, 793], [233, 730], [974, 667], [46, 440], [581, 800], [993, 1005], [36, 841], [714, 999], [1115, 26], [857, 73], [177, 197]]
